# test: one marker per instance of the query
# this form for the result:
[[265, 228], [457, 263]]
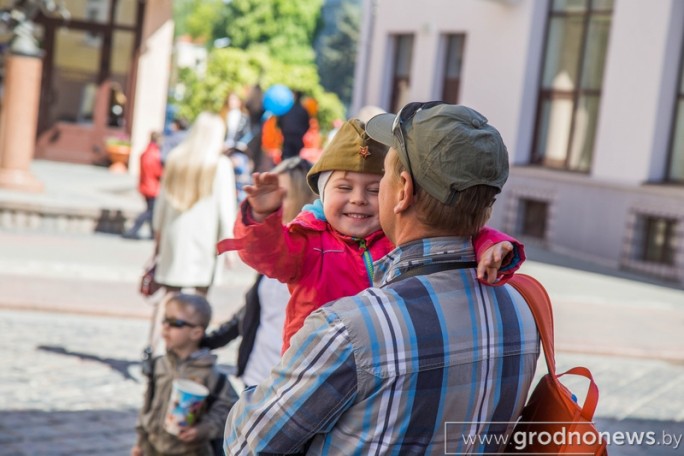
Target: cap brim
[[379, 128]]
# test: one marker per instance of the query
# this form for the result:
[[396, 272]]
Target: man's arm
[[314, 384]]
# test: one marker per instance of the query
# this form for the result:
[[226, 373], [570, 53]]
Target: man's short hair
[[466, 217]]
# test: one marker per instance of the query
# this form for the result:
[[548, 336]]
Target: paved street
[[96, 274], [71, 384], [72, 327]]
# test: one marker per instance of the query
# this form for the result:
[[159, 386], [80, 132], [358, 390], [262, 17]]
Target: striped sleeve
[[314, 383]]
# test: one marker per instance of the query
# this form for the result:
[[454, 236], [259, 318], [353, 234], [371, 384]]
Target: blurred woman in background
[[195, 208]]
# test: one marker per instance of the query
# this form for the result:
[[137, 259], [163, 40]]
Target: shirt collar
[[423, 251]]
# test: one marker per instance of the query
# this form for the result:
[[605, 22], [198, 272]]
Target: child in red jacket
[[148, 186], [327, 251]]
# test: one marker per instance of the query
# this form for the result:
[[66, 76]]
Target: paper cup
[[186, 402]]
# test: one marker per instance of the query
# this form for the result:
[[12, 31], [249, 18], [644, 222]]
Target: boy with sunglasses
[[328, 251], [185, 321]]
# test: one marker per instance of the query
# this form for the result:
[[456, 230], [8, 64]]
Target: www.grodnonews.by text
[[522, 440]]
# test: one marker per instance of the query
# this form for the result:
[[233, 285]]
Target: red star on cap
[[363, 151]]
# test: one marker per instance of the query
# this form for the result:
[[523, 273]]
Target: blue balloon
[[278, 99]]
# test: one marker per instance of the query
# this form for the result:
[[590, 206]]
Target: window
[[576, 45], [453, 60], [534, 214], [653, 243], [655, 239], [401, 71], [675, 168]]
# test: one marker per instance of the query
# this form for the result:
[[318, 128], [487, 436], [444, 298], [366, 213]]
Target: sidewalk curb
[[42, 216], [662, 355]]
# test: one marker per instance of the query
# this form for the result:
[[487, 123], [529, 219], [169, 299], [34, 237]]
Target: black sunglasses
[[404, 115], [177, 323]]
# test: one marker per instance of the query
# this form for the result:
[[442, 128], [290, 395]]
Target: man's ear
[[406, 197]]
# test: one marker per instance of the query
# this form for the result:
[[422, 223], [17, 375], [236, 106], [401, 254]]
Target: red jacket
[[150, 171], [318, 263]]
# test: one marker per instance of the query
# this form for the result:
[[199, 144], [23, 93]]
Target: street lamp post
[[21, 99]]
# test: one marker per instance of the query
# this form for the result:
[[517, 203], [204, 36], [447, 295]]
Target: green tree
[[203, 20], [235, 70], [286, 28], [271, 42]]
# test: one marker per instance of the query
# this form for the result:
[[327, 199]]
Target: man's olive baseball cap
[[448, 148]]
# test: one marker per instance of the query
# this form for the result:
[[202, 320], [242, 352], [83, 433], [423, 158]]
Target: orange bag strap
[[591, 401], [540, 304]]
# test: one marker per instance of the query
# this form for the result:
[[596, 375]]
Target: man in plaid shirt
[[429, 357]]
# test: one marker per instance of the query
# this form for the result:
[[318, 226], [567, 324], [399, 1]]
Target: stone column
[[19, 121]]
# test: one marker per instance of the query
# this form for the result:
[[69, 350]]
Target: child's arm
[[147, 406], [499, 256], [260, 237]]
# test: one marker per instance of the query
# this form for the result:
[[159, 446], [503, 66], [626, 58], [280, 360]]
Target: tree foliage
[[235, 70], [271, 42], [286, 28], [203, 20]]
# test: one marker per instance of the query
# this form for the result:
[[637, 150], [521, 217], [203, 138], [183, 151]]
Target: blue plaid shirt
[[414, 366]]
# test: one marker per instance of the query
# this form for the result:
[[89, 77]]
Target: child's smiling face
[[350, 203]]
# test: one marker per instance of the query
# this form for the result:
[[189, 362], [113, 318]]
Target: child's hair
[[155, 136], [300, 192], [196, 304]]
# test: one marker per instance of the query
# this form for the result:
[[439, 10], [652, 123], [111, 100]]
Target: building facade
[[105, 72], [588, 95]]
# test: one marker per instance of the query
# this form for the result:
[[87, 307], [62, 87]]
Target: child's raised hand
[[490, 261], [265, 195]]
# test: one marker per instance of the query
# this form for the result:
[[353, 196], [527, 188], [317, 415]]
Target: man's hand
[[136, 451], [265, 195], [490, 262]]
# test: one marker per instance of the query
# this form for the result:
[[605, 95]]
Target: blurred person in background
[[293, 125], [178, 129], [260, 321], [148, 186], [235, 146], [237, 121], [195, 208]]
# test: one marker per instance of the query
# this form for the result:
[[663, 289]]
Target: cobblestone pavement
[[80, 392]]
